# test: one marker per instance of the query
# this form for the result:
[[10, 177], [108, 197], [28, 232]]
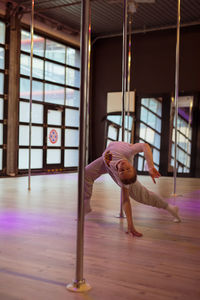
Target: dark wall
[[152, 71]]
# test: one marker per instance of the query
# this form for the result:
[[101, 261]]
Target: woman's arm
[[128, 211], [144, 147]]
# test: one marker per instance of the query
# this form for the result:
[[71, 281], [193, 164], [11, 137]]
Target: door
[[53, 141]]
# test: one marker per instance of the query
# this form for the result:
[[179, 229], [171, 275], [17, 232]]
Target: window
[[55, 84], [184, 134], [150, 129], [114, 117], [114, 127]]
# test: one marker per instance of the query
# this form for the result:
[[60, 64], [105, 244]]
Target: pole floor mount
[[120, 216], [78, 287], [176, 195]]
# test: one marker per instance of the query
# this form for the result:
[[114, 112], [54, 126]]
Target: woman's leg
[[92, 172], [141, 194]]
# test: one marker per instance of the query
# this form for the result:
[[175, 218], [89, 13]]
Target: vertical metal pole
[[30, 110], [124, 66], [88, 85], [129, 74], [79, 285], [176, 93], [124, 82]]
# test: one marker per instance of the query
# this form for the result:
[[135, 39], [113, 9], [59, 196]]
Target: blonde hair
[[131, 179]]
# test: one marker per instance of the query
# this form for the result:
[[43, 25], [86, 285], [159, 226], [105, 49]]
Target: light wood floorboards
[[38, 242]]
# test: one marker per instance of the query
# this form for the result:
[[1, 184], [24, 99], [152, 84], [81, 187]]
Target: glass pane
[[182, 141], [38, 43], [150, 135], [37, 89], [172, 162], [115, 119], [25, 41], [36, 158], [2, 55], [158, 125], [186, 170], [1, 83], [54, 94], [72, 97], [190, 134], [120, 135], [1, 109], [181, 156], [1, 158], [25, 64], [37, 112], [54, 117], [112, 132], [72, 77], [108, 142], [23, 158], [54, 137], [127, 136], [2, 33], [173, 135], [73, 57], [142, 131], [128, 122], [1, 134], [172, 154], [156, 156], [53, 156], [71, 117], [23, 135], [71, 158], [140, 163], [71, 138], [24, 113], [145, 102], [55, 51], [159, 108], [157, 141], [143, 114], [153, 105], [36, 135], [38, 66], [188, 161], [151, 120], [54, 72]]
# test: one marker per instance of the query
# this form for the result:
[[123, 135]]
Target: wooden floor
[[38, 242]]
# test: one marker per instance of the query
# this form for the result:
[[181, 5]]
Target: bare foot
[[174, 210]]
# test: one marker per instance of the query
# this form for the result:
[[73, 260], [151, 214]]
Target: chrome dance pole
[[79, 284], [124, 66], [176, 94], [88, 87], [124, 83], [30, 107], [129, 75]]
